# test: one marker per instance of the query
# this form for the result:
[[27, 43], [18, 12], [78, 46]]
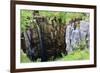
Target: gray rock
[[68, 35], [85, 32], [75, 38], [27, 42]]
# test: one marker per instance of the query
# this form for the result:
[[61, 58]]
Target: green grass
[[77, 55], [24, 58]]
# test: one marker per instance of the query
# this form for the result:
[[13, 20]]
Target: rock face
[[76, 35], [85, 32], [68, 38], [45, 40], [75, 38], [27, 44]]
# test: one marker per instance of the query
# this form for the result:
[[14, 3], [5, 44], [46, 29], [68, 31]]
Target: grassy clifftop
[[76, 55]]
